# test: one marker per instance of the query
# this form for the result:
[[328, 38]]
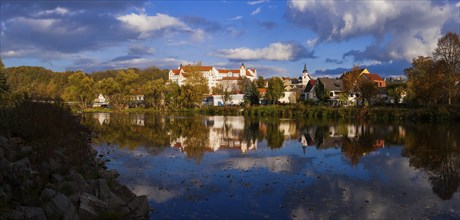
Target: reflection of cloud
[[156, 193], [275, 164]]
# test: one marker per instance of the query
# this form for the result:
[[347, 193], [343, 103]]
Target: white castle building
[[214, 76]]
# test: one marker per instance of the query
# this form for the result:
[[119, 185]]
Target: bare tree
[[448, 51]]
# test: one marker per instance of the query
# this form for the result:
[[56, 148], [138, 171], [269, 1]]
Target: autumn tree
[[155, 93], [125, 88], [366, 90], [425, 81], [195, 88], [448, 51], [275, 89], [80, 89], [3, 82]]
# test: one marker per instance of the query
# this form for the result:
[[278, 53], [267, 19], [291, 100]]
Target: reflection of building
[[137, 119], [288, 128], [225, 132], [103, 118]]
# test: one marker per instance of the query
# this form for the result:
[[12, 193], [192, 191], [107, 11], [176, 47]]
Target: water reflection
[[313, 169]]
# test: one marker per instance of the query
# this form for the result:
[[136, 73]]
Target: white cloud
[[145, 24], [257, 2], [279, 51], [236, 18], [257, 11], [401, 29]]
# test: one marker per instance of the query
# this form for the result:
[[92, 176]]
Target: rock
[[60, 206], [21, 169], [54, 166], [15, 141], [90, 206], [26, 150], [56, 178], [140, 207], [104, 190], [79, 182], [124, 193], [12, 214], [3, 141], [33, 213]]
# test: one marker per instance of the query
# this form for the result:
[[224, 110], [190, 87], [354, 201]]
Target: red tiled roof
[[199, 68], [176, 71], [222, 71], [262, 90], [373, 77], [249, 73], [312, 82]]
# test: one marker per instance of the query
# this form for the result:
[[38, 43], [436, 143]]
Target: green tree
[[448, 51], [321, 92], [80, 89], [275, 89], [260, 82], [251, 94], [155, 93], [127, 88]]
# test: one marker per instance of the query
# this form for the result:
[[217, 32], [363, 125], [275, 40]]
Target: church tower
[[305, 76]]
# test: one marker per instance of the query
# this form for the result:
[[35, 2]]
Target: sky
[[275, 37]]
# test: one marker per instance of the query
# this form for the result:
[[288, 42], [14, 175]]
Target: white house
[[217, 100], [101, 101], [213, 75]]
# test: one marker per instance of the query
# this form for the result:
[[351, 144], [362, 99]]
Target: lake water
[[209, 167]]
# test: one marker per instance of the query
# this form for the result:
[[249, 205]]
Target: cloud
[[269, 25], [147, 25], [202, 23], [257, 11], [336, 61], [384, 69], [236, 18], [280, 51], [401, 29], [257, 2], [138, 49]]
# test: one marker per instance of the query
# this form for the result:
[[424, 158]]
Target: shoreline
[[384, 114]]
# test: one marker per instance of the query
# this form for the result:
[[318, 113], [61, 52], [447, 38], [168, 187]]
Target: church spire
[[305, 68]]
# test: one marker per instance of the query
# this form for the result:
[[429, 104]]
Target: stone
[[33, 213], [21, 169], [26, 150], [3, 141], [15, 141], [56, 178], [90, 206], [140, 207], [125, 194], [79, 182], [54, 166], [104, 190], [12, 214], [60, 206]]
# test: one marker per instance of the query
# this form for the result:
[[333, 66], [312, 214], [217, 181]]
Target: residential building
[[228, 78], [101, 101]]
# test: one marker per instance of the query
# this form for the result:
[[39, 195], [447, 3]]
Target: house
[[101, 101], [228, 78], [217, 100], [309, 91], [364, 72]]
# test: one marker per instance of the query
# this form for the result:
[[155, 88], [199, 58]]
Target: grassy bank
[[438, 113]]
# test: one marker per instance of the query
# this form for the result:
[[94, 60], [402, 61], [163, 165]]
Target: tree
[[3, 82], [448, 51], [366, 89], [251, 94], [154, 91], [124, 88], [275, 89], [425, 81], [350, 80], [195, 88], [260, 82], [321, 92], [80, 89]]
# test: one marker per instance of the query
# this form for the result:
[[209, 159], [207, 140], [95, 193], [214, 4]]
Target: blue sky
[[275, 37]]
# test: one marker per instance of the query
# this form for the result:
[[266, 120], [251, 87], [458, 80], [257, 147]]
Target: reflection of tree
[[356, 147], [275, 137], [436, 151]]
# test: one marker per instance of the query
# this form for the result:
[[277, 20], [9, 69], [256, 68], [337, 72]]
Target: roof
[[249, 73], [373, 77], [199, 68], [310, 85], [262, 90], [331, 84], [176, 71], [223, 71]]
